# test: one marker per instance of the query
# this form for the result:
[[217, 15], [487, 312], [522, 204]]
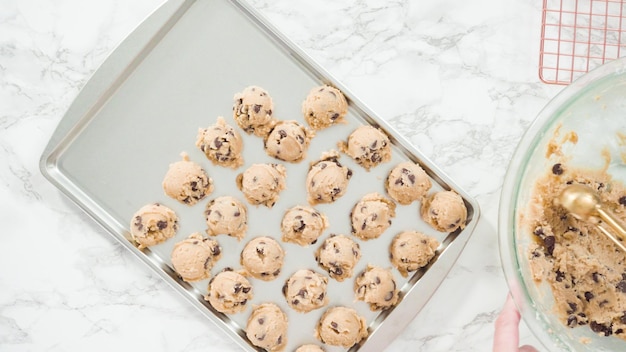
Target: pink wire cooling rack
[[579, 35]]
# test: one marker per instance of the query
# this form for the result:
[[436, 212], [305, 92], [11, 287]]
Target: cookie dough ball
[[262, 258], [303, 225], [194, 257], [309, 348], [229, 292], [187, 182], [411, 250], [368, 146], [267, 327], [226, 215], [305, 290], [377, 287], [341, 326], [445, 211], [407, 182], [371, 216], [288, 141], [324, 106], [338, 255], [221, 144], [153, 224], [327, 180], [252, 111], [262, 183]]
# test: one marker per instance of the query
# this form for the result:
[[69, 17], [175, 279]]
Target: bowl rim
[[507, 212]]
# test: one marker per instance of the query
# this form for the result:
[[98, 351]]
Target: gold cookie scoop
[[582, 202]]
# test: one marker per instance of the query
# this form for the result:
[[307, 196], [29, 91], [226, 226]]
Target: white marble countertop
[[458, 79]]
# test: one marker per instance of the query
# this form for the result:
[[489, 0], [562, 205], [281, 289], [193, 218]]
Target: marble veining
[[458, 79]]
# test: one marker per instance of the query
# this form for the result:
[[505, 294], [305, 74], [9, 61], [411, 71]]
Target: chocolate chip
[[285, 289], [589, 296], [237, 213], [257, 108], [621, 286], [217, 142], [207, 263], [596, 277], [162, 224], [261, 321], [295, 302], [282, 133], [389, 296], [622, 200], [573, 307], [323, 166], [600, 328], [557, 169], [246, 289], [412, 178], [338, 271], [334, 325], [302, 293], [559, 276], [374, 144], [572, 321], [549, 242], [237, 288], [334, 116]]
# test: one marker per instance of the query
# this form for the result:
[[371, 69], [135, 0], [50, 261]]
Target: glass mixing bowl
[[594, 107]]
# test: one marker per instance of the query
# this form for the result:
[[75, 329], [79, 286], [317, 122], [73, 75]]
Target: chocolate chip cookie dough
[[303, 225], [445, 211], [377, 287], [288, 141], [368, 146], [327, 180], [341, 326], [153, 224], [263, 258], [229, 292], [267, 327], [226, 215], [187, 182], [194, 257], [221, 144], [407, 182], [261, 184], [411, 250], [371, 216], [252, 110], [585, 270], [338, 255], [305, 290], [310, 348], [324, 106]]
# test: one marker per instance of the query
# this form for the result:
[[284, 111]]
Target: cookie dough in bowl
[[263, 258], [327, 180], [377, 287], [371, 216], [221, 144], [407, 182], [445, 211], [338, 255], [229, 292], [305, 290], [187, 182], [194, 257], [261, 184], [303, 225], [324, 106], [226, 215], [153, 224], [341, 326], [253, 111], [368, 146], [288, 141], [411, 250], [267, 327]]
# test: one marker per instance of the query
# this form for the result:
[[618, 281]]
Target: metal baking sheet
[[177, 72]]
